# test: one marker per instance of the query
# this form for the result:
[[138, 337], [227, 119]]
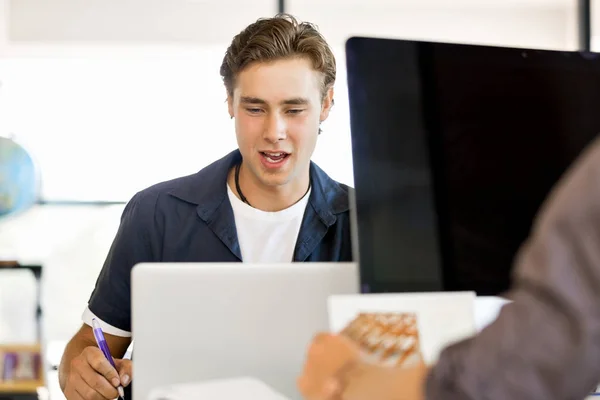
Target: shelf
[[22, 386]]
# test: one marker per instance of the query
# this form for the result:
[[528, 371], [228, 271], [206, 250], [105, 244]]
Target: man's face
[[278, 107]]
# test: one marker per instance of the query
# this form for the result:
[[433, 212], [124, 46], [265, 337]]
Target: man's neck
[[269, 198]]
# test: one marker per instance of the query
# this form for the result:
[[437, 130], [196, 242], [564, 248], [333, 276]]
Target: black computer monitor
[[455, 147]]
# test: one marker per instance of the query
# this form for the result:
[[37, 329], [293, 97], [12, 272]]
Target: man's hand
[[91, 377]]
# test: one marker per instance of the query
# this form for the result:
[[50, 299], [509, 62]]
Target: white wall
[[68, 67], [203, 21], [71, 243], [595, 25], [542, 25], [140, 21]]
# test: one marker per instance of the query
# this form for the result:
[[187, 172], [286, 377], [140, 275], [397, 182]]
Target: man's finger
[[99, 363], [74, 395], [71, 392], [85, 391], [99, 383], [125, 369]]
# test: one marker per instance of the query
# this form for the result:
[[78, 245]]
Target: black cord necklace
[[237, 184], [239, 189]]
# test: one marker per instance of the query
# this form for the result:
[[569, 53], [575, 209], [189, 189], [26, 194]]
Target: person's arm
[[546, 344], [84, 373], [83, 352]]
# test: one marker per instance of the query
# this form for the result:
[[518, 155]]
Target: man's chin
[[275, 181]]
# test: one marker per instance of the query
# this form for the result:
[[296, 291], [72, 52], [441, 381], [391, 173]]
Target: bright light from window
[[106, 125]]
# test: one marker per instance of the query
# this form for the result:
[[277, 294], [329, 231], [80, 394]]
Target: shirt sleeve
[[545, 345], [137, 240], [88, 316]]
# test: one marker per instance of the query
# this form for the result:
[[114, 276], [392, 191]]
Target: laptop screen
[[455, 147]]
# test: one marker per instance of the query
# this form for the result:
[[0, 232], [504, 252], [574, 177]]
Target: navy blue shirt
[[190, 219]]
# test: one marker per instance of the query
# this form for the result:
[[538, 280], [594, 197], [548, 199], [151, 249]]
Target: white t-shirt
[[267, 236], [263, 237]]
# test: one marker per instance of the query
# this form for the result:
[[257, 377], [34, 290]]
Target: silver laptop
[[194, 322]]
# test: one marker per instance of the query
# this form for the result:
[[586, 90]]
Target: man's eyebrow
[[252, 100], [297, 101]]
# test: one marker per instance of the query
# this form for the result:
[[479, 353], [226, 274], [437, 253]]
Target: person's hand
[[91, 377], [328, 360], [334, 371]]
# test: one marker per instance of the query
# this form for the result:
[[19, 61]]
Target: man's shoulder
[[193, 187], [345, 194], [168, 186], [345, 200], [148, 199], [336, 194], [347, 189]]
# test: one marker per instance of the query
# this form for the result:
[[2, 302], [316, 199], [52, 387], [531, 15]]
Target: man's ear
[[230, 105], [327, 104]]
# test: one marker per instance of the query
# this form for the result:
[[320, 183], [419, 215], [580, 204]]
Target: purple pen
[[104, 347]]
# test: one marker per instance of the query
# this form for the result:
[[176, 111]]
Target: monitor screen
[[455, 147]]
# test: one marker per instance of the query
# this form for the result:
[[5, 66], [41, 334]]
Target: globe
[[18, 178]]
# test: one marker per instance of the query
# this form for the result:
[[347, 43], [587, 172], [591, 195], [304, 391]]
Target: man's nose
[[275, 129]]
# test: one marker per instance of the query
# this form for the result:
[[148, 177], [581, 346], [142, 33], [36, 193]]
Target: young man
[[266, 202], [545, 345]]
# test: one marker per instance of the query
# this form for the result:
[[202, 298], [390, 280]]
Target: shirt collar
[[207, 189]]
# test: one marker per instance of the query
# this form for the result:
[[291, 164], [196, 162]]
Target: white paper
[[442, 317], [487, 309], [221, 389]]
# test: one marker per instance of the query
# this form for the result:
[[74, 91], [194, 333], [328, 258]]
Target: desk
[[486, 310]]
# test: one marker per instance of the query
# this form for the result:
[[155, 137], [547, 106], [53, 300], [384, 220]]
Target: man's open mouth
[[274, 157]]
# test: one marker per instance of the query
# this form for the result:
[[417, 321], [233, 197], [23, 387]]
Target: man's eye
[[253, 110], [295, 111]]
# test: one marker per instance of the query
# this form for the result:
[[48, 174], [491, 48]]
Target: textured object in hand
[[390, 339]]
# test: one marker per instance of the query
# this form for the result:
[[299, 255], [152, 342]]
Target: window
[[104, 126], [104, 121]]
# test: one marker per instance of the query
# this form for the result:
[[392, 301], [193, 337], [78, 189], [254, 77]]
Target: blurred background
[[110, 96]]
